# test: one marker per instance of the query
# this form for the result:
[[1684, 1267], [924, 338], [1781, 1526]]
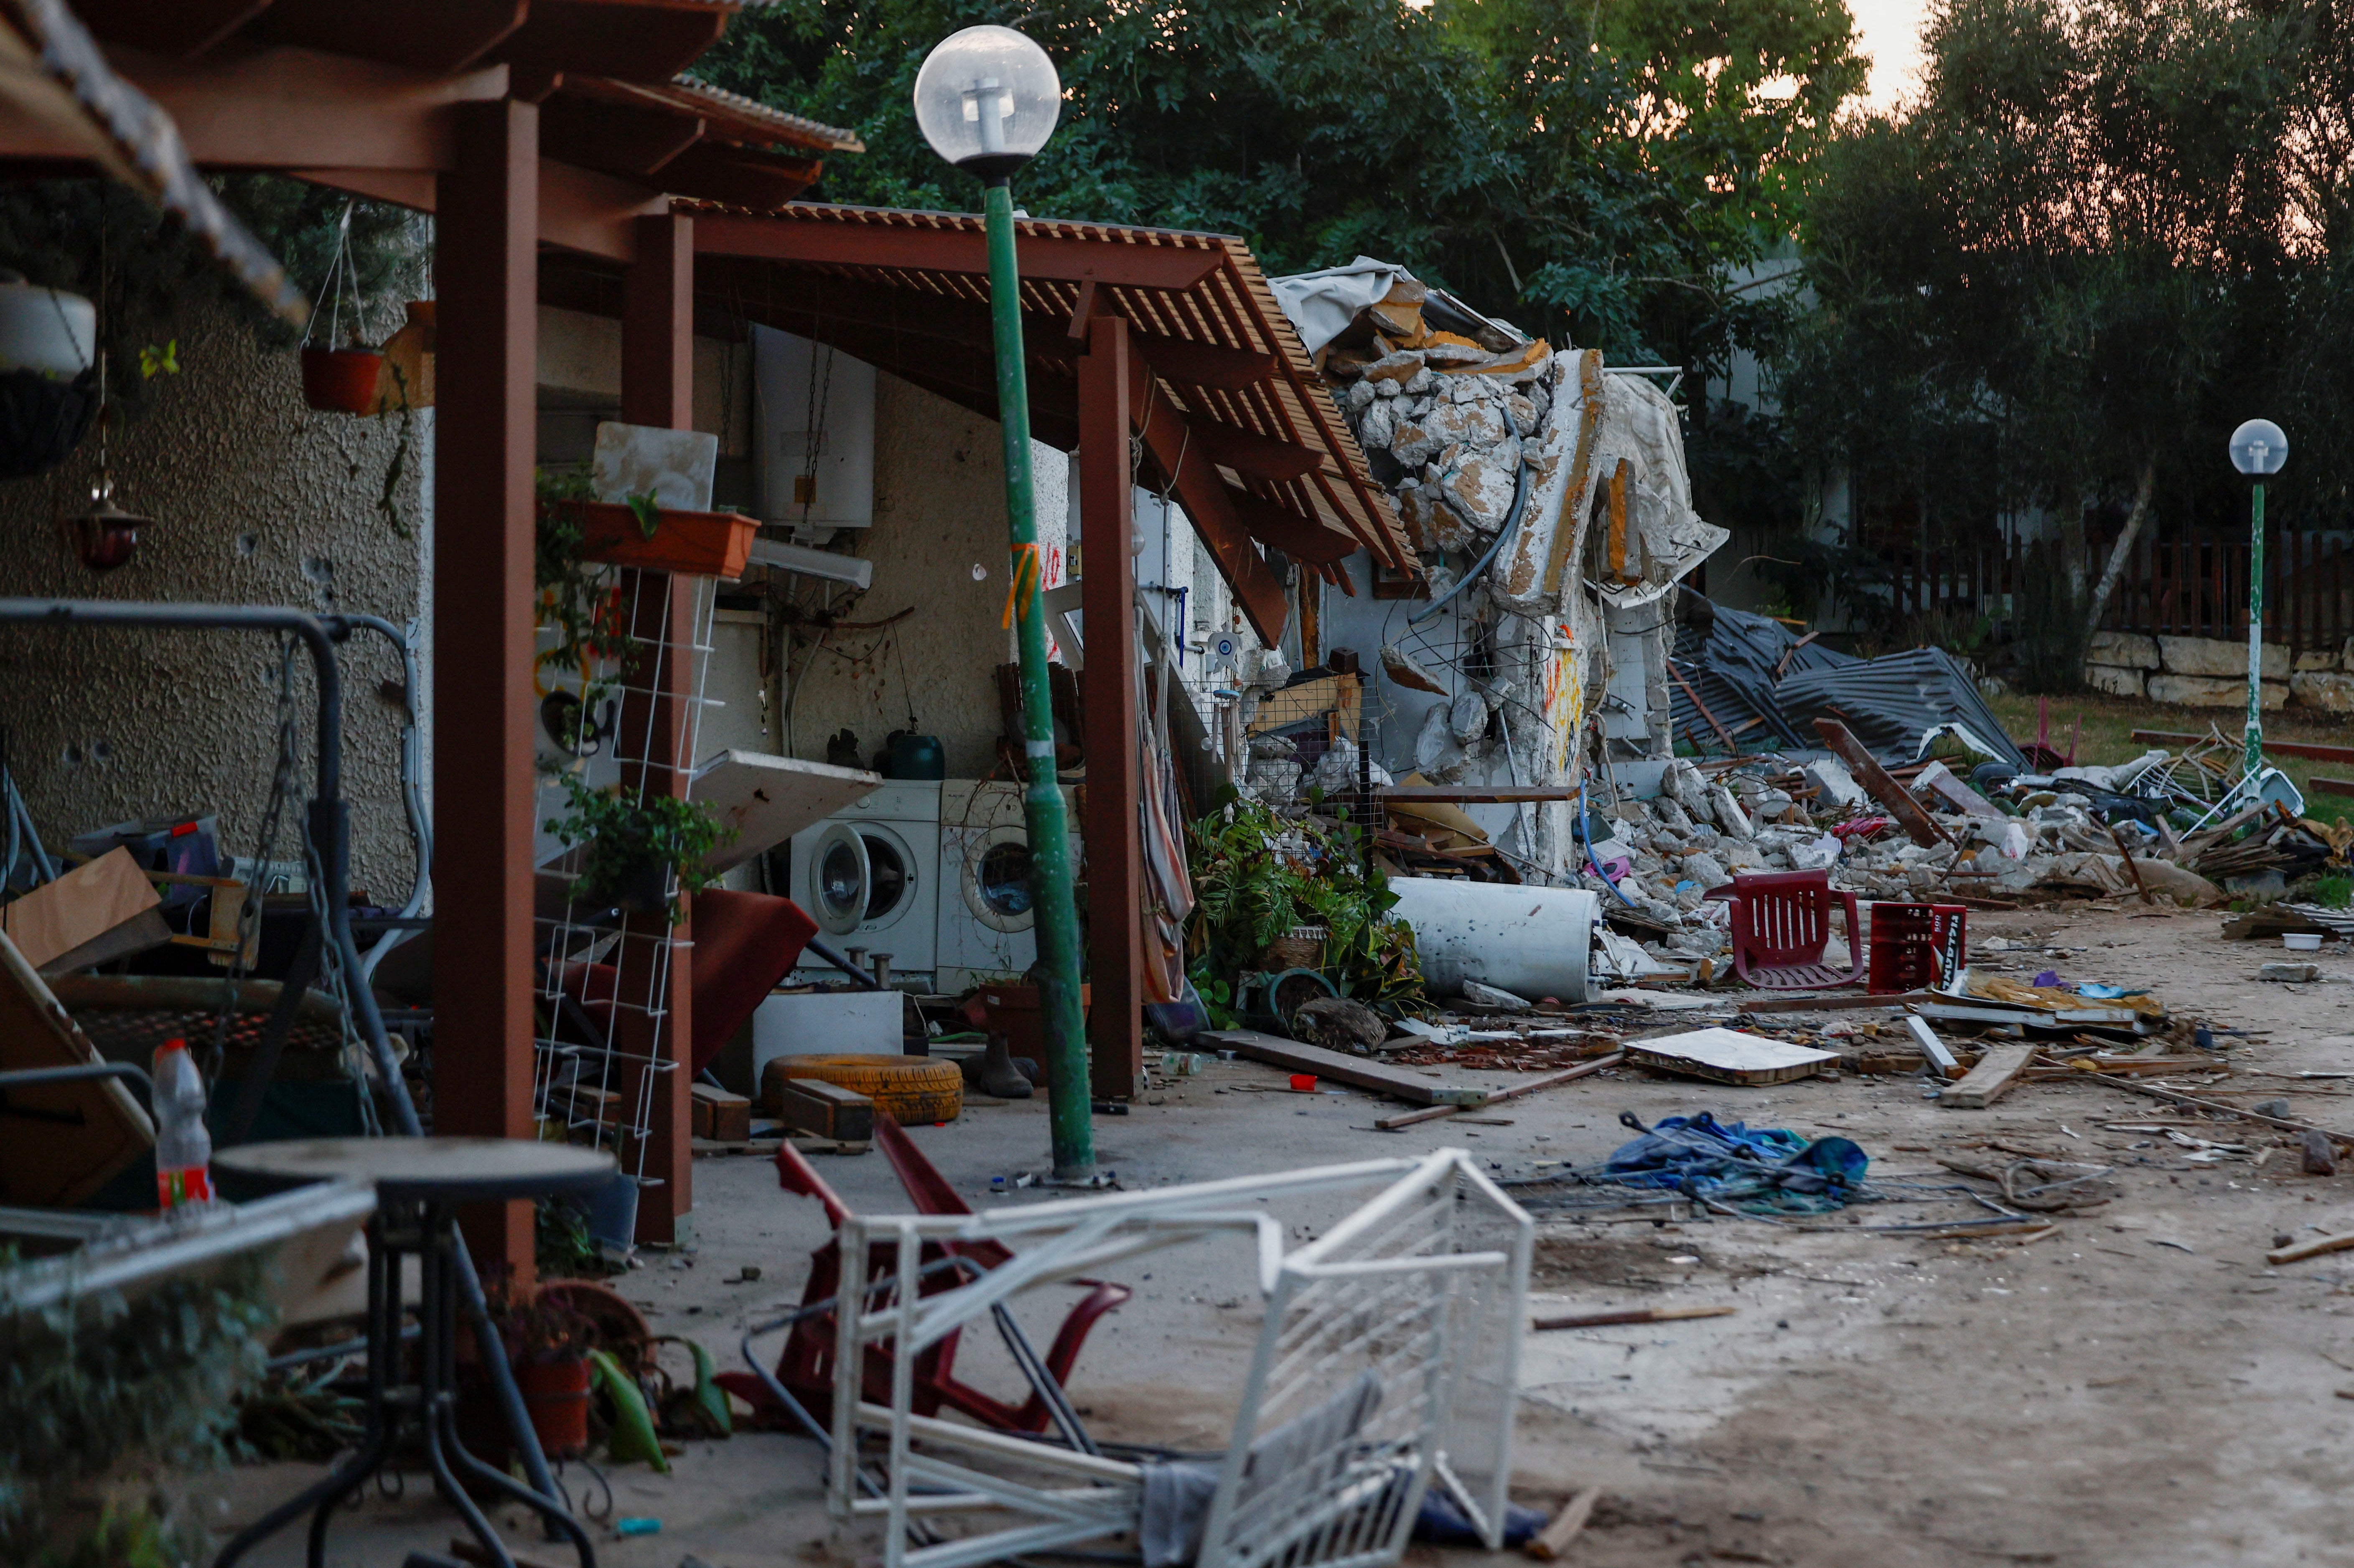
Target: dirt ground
[[2139, 1389]]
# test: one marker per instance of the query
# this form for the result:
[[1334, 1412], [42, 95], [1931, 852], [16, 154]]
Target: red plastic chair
[[1781, 924], [806, 1367]]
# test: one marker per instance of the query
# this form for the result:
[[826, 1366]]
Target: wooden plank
[[1355, 1071], [1921, 827], [1989, 1080], [815, 1106], [1432, 1113], [2314, 1248], [1633, 1314], [2330, 785], [1555, 1537], [720, 1115]]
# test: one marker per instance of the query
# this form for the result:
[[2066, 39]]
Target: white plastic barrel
[[1530, 941]]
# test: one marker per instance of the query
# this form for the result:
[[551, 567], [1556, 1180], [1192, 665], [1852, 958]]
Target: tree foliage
[[1593, 173], [2104, 234]]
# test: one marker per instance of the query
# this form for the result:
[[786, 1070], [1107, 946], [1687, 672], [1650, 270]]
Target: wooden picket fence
[[2188, 586]]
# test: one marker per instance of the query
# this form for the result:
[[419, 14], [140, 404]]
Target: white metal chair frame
[[1392, 1297]]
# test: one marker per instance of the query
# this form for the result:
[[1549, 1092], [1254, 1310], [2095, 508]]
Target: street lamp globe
[[2259, 447], [987, 100]]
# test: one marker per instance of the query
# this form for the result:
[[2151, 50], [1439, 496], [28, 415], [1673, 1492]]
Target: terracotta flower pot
[[694, 544], [556, 1394], [340, 380]]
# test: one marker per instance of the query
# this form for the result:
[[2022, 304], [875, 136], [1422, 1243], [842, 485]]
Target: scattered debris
[[1632, 1315], [1730, 1056]]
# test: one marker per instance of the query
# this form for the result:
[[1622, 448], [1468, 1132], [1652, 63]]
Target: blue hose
[[1586, 837], [1503, 535]]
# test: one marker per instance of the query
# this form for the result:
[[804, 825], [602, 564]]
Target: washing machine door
[[840, 879], [996, 879]]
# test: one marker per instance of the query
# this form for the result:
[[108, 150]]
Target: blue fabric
[[1766, 1169]]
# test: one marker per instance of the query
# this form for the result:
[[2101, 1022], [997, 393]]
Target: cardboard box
[[89, 915]]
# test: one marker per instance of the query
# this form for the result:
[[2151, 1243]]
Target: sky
[[1890, 30]]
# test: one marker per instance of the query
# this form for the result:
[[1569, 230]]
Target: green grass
[[2104, 725]]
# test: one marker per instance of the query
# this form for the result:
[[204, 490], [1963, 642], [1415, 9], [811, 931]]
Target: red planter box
[[695, 544]]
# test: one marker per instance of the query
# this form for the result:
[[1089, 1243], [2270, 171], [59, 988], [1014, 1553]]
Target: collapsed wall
[[1548, 501]]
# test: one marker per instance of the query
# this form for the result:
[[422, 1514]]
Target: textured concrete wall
[[939, 513], [257, 501]]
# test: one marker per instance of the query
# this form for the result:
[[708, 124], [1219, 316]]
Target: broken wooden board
[[1632, 1315], [1432, 1113], [1989, 1080], [1357, 1072], [64, 1141], [1730, 1056], [1910, 815], [2314, 1248], [1555, 1537]]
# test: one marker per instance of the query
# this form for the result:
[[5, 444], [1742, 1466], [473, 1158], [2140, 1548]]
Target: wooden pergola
[[567, 158]]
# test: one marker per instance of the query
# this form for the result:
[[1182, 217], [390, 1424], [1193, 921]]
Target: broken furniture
[[1781, 924], [63, 1139], [806, 1371], [419, 1182], [1388, 1361], [328, 933], [1913, 946]]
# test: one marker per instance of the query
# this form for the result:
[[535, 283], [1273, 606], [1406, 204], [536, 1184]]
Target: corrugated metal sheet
[[1731, 659], [1892, 701]]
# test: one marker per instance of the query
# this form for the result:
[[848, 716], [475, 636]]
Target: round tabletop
[[446, 1170]]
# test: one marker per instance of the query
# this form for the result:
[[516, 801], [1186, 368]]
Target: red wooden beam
[[658, 389], [485, 266], [1208, 502], [1107, 692], [288, 108], [175, 29], [628, 40], [437, 36], [823, 242]]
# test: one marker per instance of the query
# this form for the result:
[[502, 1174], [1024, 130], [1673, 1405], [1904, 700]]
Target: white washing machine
[[870, 876], [985, 914]]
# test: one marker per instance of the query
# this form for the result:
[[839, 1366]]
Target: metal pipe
[[34, 1077], [1058, 920], [412, 769], [2251, 756], [329, 828]]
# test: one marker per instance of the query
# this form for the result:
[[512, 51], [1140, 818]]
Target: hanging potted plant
[[339, 375], [632, 849]]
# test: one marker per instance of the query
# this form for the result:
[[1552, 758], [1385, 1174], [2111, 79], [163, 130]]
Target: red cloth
[[744, 944]]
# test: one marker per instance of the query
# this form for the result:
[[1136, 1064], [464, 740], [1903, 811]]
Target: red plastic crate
[[1915, 946]]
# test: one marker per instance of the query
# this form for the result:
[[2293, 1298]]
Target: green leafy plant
[[1257, 876], [579, 600], [648, 514], [93, 1382], [164, 361], [534, 1330], [626, 838], [561, 1244]]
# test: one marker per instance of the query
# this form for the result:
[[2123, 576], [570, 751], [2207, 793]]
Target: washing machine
[[870, 876], [985, 915]]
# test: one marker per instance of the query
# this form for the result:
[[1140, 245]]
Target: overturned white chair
[[1387, 1361]]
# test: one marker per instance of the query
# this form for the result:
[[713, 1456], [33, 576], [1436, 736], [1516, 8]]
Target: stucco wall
[[257, 501], [939, 513]]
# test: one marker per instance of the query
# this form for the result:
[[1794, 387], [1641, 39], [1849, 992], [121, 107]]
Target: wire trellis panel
[[601, 988]]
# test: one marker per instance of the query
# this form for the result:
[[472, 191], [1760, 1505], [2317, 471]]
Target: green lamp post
[[986, 100], [2259, 447]]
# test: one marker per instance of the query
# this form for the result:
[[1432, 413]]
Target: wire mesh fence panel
[[602, 1003]]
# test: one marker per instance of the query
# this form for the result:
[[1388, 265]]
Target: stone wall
[[256, 500], [2212, 673]]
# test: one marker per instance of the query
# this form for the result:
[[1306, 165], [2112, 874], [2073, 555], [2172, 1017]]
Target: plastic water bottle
[[183, 1149]]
